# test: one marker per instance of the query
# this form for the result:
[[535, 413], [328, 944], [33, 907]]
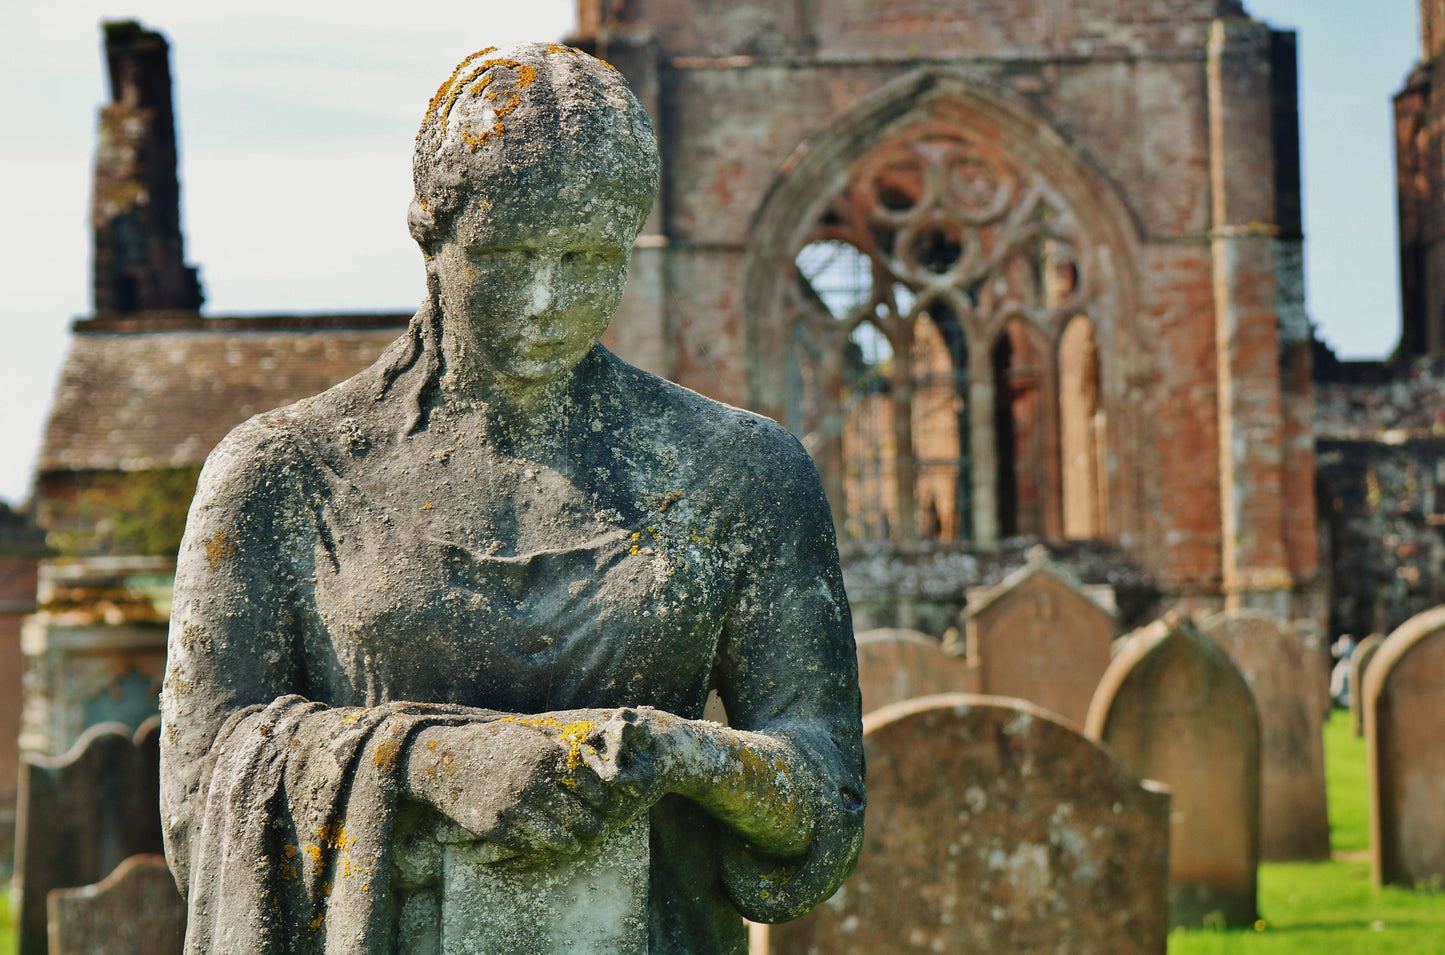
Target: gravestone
[[134, 911], [81, 815], [1173, 707], [1283, 674], [995, 828], [896, 665], [1404, 699], [1037, 637], [1359, 665]]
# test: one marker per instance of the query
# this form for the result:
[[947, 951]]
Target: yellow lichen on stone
[[386, 753], [218, 548], [573, 736]]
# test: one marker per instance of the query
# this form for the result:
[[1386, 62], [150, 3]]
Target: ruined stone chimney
[[139, 262]]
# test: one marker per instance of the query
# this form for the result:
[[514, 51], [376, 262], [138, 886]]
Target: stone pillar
[[982, 393], [1244, 237]]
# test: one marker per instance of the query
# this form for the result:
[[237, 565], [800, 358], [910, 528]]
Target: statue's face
[[535, 282]]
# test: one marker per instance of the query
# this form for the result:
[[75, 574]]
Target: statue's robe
[[355, 569]]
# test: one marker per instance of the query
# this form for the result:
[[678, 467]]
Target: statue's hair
[[508, 120]]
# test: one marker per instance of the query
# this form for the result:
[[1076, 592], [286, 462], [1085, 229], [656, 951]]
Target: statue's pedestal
[[593, 902]]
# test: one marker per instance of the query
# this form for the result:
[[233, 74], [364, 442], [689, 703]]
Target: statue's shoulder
[[728, 441], [320, 429], [260, 452]]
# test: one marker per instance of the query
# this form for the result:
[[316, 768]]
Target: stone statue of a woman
[[486, 585]]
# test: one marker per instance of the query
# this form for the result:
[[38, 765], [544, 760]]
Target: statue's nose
[[541, 292]]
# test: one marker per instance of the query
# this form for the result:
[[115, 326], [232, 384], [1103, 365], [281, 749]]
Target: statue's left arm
[[786, 776]]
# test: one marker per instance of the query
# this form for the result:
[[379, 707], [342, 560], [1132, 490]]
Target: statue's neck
[[503, 411]]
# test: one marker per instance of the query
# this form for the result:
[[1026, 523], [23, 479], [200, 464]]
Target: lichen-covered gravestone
[[1404, 700], [896, 665], [1283, 674], [995, 829], [1038, 637], [1174, 708]]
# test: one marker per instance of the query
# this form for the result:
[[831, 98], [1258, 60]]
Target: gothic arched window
[[922, 309]]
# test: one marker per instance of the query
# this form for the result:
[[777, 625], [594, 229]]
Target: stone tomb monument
[[1360, 662], [1404, 699], [995, 829], [1174, 708], [1283, 673], [896, 665], [442, 636], [1037, 636]]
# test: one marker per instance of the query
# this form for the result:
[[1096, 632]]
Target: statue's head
[[530, 128], [535, 168]]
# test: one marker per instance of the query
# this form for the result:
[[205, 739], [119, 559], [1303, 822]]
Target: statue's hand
[[522, 787]]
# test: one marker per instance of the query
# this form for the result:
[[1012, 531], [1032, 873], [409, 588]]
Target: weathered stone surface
[[133, 911], [1404, 697], [1038, 637], [1360, 662], [1173, 707], [994, 828], [896, 665], [593, 902], [1283, 674], [81, 815], [486, 586]]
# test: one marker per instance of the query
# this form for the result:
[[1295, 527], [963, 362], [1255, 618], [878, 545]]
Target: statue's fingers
[[584, 822], [531, 827]]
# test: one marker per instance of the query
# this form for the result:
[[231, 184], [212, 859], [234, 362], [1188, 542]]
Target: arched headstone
[[81, 815], [897, 665], [1173, 707], [1404, 699], [1359, 665], [1283, 673], [995, 828], [135, 910], [1038, 637]]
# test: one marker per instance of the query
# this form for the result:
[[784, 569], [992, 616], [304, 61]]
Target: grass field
[[1320, 909]]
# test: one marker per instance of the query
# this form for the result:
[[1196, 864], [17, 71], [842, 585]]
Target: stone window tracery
[[923, 307]]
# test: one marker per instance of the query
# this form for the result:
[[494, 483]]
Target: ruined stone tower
[[1006, 267], [139, 260]]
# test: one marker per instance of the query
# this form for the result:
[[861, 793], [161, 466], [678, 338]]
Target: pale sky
[[296, 120]]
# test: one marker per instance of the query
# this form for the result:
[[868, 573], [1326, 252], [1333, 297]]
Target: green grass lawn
[[1329, 908], [7, 933]]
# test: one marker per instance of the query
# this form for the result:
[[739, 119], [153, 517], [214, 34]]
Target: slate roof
[[137, 395]]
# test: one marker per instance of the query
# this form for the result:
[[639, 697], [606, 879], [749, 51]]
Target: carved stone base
[[595, 901]]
